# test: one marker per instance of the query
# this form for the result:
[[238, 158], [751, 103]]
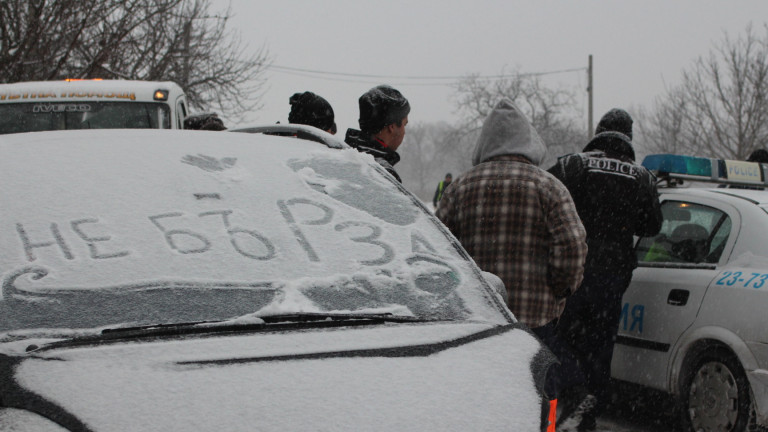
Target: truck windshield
[[32, 117]]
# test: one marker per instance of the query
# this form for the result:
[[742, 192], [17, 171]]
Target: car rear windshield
[[143, 227], [45, 116]]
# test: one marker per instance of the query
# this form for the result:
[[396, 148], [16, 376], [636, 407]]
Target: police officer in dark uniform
[[616, 199]]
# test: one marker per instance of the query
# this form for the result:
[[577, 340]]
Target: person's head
[[759, 155], [506, 131], [448, 178], [205, 121], [615, 120], [384, 114], [310, 109]]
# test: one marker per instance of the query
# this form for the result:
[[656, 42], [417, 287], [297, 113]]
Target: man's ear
[[386, 131]]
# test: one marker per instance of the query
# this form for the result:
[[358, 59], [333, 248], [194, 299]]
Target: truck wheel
[[715, 394]]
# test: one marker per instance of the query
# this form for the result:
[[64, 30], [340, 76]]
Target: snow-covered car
[[197, 281], [694, 322]]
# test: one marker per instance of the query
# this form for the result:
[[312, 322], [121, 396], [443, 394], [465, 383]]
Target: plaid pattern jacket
[[520, 223]]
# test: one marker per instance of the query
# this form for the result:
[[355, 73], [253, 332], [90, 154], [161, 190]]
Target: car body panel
[[305, 380], [651, 325]]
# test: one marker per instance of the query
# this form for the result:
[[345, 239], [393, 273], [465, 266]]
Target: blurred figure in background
[[441, 188], [759, 155]]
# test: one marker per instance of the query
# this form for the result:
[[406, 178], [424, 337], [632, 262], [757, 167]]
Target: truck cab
[[91, 104]]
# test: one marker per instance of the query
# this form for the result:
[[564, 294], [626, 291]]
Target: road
[[638, 410]]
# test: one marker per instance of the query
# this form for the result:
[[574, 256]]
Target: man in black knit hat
[[616, 199], [383, 116], [310, 109]]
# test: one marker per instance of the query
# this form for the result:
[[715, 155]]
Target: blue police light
[[678, 164], [706, 169]]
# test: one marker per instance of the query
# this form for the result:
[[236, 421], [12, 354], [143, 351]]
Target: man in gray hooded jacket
[[518, 221]]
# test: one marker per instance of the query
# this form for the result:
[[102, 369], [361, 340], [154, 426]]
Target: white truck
[[91, 104]]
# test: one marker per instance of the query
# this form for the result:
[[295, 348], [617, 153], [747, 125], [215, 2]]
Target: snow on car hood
[[303, 380]]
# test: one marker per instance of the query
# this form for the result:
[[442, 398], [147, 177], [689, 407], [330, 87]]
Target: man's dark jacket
[[615, 197], [368, 144]]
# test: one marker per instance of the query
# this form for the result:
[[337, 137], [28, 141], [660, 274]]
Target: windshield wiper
[[271, 322], [156, 326], [293, 317], [305, 317]]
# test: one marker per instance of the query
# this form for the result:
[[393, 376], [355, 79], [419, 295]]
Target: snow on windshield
[[106, 227]]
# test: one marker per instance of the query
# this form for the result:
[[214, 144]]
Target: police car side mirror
[[497, 284]]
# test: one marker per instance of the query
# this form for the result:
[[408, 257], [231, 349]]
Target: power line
[[363, 81], [288, 69]]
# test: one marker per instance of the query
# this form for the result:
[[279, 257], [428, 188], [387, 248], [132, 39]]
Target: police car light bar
[[670, 166]]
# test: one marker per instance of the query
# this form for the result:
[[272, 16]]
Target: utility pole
[[185, 66], [590, 92]]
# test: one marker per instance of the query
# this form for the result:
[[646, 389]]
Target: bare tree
[[720, 109], [551, 111], [429, 151], [417, 154], [176, 40], [661, 130]]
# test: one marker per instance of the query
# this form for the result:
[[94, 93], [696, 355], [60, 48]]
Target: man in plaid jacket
[[519, 222]]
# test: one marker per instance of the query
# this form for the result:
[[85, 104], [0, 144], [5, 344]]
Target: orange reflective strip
[[552, 415]]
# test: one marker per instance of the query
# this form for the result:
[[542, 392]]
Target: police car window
[[690, 233]]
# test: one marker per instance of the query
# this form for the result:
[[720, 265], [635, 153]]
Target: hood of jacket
[[506, 131], [614, 144]]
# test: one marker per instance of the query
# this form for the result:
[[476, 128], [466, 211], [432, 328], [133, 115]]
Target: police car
[[693, 322]]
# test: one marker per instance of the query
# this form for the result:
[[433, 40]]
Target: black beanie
[[759, 155], [310, 109], [616, 120], [381, 106], [204, 121]]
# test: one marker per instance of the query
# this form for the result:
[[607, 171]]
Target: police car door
[[675, 268]]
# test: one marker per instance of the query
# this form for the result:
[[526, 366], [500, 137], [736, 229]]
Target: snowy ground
[[619, 425], [638, 410]]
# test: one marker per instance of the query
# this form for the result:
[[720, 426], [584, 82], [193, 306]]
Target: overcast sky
[[639, 47]]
